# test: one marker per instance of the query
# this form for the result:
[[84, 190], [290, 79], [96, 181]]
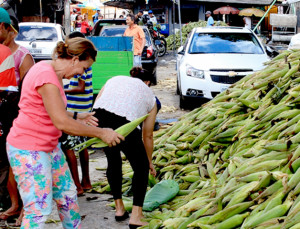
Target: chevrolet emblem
[[232, 74]]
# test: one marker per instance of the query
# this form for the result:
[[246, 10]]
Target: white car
[[214, 58], [295, 42], [40, 38]]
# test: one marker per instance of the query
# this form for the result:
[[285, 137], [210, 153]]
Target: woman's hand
[[111, 137], [88, 118], [152, 169]]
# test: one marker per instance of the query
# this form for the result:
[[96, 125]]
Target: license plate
[[224, 89], [35, 51]]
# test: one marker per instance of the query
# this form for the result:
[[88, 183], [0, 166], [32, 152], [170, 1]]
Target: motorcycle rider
[[152, 17], [138, 17]]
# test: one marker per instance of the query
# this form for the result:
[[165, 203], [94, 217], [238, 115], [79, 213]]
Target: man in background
[[247, 21], [96, 16], [152, 17], [138, 17], [210, 20], [73, 19], [139, 39]]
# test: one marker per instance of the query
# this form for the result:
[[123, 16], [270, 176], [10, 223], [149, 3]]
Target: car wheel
[[182, 102], [177, 88]]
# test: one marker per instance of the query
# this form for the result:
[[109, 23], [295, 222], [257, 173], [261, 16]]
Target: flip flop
[[134, 226], [5, 216], [122, 217]]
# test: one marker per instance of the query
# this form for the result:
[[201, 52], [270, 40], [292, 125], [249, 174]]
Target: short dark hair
[[15, 23], [140, 73], [140, 11], [132, 17], [75, 34]]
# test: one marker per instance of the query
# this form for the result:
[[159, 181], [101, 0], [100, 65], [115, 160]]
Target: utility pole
[[41, 10], [173, 17], [67, 17], [179, 17]]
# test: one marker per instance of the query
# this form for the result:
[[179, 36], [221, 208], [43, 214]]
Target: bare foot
[[80, 191], [86, 185], [12, 211], [19, 220], [138, 222], [120, 209], [137, 216]]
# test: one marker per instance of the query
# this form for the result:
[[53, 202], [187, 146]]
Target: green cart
[[115, 57]]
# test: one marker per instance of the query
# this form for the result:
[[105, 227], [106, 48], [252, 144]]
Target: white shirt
[[247, 22], [73, 17], [153, 20], [127, 97]]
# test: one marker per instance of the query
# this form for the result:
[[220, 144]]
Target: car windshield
[[242, 43], [118, 32], [35, 33]]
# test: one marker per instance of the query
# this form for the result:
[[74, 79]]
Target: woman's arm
[[77, 90], [56, 109], [148, 126], [28, 62]]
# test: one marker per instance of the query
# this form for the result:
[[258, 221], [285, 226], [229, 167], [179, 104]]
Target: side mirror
[[180, 50]]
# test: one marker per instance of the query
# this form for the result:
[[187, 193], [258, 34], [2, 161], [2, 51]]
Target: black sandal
[[122, 217], [134, 226]]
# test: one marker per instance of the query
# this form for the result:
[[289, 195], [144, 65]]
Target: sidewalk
[[95, 214]]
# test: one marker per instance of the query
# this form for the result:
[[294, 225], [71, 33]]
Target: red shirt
[[84, 26], [7, 67]]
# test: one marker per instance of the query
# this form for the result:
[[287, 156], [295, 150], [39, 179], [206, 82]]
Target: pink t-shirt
[[19, 56], [33, 128]]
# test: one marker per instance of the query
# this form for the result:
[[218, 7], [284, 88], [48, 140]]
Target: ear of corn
[[124, 130]]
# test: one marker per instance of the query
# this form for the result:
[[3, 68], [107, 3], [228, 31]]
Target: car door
[[180, 56], [181, 53]]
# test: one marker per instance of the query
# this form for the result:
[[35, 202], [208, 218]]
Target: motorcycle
[[158, 39]]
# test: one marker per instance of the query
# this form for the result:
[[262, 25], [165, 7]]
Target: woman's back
[[127, 97]]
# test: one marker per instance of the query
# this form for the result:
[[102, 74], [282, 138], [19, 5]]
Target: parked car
[[106, 22], [150, 52], [295, 42], [214, 58], [40, 38]]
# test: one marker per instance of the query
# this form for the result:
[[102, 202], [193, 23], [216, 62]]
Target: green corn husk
[[124, 130], [236, 158]]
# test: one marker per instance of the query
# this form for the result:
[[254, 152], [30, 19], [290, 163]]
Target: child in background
[[80, 99]]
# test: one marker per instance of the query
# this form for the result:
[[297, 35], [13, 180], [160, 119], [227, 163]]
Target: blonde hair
[[81, 47]]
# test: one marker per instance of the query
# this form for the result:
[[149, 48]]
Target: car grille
[[214, 94], [225, 79], [229, 70]]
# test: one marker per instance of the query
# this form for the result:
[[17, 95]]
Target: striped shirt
[[81, 102], [7, 69]]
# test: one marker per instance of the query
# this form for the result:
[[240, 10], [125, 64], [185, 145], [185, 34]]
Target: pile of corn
[[186, 29], [236, 159]]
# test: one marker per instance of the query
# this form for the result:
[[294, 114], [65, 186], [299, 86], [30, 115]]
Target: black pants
[[8, 112], [134, 150]]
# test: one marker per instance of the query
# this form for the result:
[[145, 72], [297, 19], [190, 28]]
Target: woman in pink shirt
[[34, 154]]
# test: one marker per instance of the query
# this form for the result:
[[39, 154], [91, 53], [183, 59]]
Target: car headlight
[[193, 72]]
